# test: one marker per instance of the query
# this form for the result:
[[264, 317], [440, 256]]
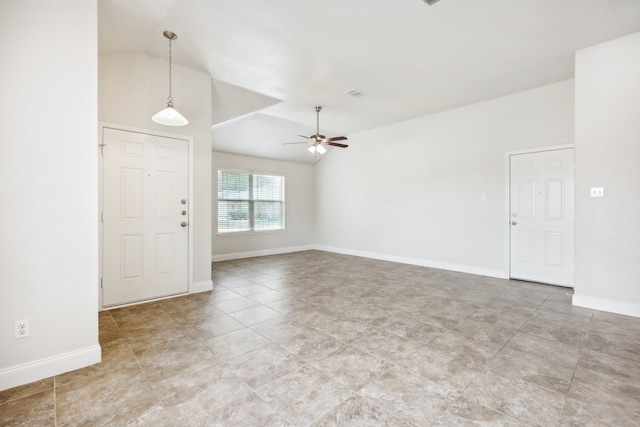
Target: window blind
[[250, 201]]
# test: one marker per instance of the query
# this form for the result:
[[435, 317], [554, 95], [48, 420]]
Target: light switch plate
[[597, 191]]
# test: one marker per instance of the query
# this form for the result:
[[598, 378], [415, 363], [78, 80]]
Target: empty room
[[320, 213]]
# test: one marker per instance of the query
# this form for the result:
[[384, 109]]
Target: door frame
[[189, 140], [507, 192]]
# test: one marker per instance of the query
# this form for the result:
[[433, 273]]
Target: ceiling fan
[[317, 140]]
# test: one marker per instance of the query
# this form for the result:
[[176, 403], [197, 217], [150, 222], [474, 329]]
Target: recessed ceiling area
[[408, 58]]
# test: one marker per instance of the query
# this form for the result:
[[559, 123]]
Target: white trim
[[264, 252], [48, 367], [603, 304], [203, 286], [153, 132], [419, 261], [541, 149], [507, 192]]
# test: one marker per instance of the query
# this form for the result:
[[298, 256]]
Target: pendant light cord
[[170, 99]]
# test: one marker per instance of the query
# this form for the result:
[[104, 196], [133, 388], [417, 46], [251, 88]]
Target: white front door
[[145, 217], [541, 217]]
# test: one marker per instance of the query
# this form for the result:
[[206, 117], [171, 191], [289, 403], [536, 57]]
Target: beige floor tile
[[358, 411], [236, 304], [264, 365], [26, 390], [99, 400], [191, 397], [350, 366], [388, 346], [624, 344], [253, 316], [251, 289], [32, 410], [465, 412], [411, 398], [529, 403], [563, 327], [269, 296], [250, 410], [452, 359], [577, 413], [207, 329], [365, 342], [303, 395], [236, 343], [114, 357]]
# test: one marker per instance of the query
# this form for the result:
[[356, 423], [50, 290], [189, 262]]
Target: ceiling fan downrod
[[318, 136]]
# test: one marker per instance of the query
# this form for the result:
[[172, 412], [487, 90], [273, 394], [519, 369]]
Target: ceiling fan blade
[[302, 136], [337, 138], [335, 144], [299, 142]]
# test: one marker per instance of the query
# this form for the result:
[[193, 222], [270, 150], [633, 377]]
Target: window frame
[[251, 203]]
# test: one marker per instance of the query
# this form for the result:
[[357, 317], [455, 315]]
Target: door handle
[[514, 223], [183, 224]]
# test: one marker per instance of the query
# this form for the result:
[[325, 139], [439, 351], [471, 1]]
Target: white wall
[[412, 192], [133, 87], [299, 210], [608, 155], [48, 187]]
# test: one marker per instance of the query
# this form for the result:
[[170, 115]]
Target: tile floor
[[320, 339]]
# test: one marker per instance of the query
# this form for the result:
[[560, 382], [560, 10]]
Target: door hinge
[[102, 216], [101, 148], [101, 284]]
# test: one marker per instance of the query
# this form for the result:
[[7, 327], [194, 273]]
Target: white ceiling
[[273, 61]]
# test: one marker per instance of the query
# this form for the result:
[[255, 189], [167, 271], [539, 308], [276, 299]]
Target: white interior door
[[145, 217], [542, 217]]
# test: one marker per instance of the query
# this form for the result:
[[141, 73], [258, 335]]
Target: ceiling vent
[[357, 93], [430, 2]]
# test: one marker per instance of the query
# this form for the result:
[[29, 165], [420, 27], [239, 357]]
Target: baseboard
[[419, 261], [203, 286], [26, 373], [265, 252], [603, 304]]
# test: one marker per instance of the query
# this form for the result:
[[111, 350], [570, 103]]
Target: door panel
[[526, 246], [554, 199], [526, 202], [131, 257], [145, 246], [541, 204]]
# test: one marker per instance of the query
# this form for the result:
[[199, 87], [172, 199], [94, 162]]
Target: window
[[249, 201]]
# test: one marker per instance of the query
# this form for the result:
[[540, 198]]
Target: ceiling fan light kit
[[317, 149], [318, 140], [170, 116]]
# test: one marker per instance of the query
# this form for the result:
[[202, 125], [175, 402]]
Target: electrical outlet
[[22, 329]]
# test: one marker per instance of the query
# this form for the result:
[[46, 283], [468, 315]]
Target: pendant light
[[170, 116]]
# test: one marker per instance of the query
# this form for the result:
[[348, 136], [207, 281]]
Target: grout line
[[584, 340], [55, 403]]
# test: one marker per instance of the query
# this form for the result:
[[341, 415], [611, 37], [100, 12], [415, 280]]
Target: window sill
[[250, 233]]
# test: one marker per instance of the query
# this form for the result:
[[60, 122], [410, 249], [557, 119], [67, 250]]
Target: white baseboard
[[204, 286], [603, 304], [26, 373], [419, 261], [265, 252]]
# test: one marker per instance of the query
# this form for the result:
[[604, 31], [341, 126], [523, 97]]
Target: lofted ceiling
[[272, 61]]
